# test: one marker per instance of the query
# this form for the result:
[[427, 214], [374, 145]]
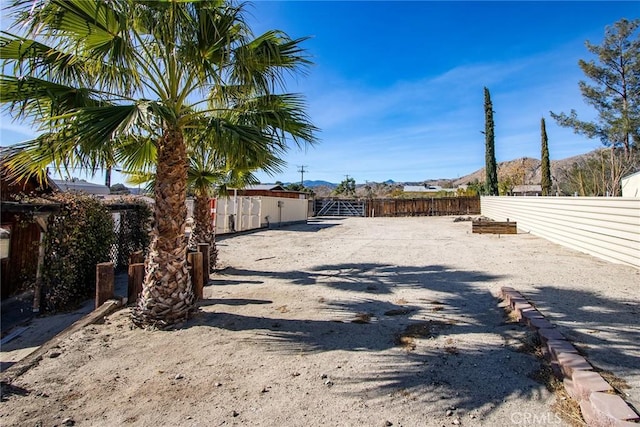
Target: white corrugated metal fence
[[606, 227]]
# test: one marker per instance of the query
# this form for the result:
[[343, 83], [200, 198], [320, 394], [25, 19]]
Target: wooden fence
[[424, 207]]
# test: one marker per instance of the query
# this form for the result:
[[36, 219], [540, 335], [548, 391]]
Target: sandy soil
[[350, 322]]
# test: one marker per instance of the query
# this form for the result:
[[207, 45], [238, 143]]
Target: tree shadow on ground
[[605, 330], [311, 226], [478, 371], [42, 328]]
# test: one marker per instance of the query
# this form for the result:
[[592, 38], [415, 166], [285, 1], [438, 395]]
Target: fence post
[[195, 261], [206, 268], [105, 277], [136, 277], [136, 257]]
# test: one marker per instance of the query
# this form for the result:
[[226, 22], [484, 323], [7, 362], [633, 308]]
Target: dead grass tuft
[[512, 317], [568, 409], [408, 343], [428, 329], [362, 318], [531, 344], [617, 383]]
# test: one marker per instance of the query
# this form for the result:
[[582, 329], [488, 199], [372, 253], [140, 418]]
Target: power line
[[302, 170]]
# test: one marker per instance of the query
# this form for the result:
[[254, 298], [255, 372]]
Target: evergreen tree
[[615, 94], [545, 164], [491, 169], [346, 188]]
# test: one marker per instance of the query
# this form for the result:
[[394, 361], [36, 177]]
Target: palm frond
[[32, 58], [264, 62], [136, 153], [33, 97]]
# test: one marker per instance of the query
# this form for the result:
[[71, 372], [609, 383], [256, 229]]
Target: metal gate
[[339, 207]]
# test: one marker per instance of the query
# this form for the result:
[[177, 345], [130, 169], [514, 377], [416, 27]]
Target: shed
[[19, 234], [427, 189], [631, 185], [527, 190], [269, 190], [80, 185]]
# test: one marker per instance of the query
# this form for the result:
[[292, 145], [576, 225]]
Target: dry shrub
[[362, 318], [428, 329]]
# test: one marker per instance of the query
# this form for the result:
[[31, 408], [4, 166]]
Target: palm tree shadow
[[231, 301], [455, 305], [605, 330]]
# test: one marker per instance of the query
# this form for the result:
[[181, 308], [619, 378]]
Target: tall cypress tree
[[491, 170], [545, 164]]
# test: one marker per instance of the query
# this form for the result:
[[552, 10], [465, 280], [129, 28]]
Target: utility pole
[[302, 170]]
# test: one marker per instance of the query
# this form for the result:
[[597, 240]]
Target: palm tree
[[95, 73], [210, 173], [218, 161], [230, 161]]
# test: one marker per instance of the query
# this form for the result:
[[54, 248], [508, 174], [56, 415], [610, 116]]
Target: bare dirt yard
[[347, 322]]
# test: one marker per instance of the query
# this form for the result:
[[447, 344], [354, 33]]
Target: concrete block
[[516, 298], [507, 290], [583, 383], [543, 323], [560, 346], [588, 414], [603, 409], [547, 334], [621, 423], [571, 363], [521, 310], [531, 313], [514, 301], [509, 296]]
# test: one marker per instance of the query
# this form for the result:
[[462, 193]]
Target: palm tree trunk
[[203, 229], [167, 295]]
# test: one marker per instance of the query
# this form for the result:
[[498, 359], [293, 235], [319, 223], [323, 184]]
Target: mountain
[[526, 168], [319, 183]]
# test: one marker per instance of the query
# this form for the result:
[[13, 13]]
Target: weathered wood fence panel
[[424, 207], [494, 227], [21, 264]]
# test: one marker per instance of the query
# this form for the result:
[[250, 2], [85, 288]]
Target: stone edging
[[599, 404]]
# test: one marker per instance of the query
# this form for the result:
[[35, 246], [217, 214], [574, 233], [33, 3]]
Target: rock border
[[599, 405]]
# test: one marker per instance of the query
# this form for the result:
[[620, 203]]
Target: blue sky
[[397, 87]]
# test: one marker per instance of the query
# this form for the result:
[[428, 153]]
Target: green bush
[[78, 237]]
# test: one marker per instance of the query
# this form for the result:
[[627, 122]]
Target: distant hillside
[[319, 183], [524, 170], [530, 167]]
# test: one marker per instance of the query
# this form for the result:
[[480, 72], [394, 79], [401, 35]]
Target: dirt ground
[[346, 322]]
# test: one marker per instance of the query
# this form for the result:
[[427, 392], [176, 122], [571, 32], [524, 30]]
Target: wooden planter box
[[494, 227]]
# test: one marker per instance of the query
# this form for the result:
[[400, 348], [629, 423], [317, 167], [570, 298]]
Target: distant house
[[631, 185], [268, 190], [426, 189], [527, 190], [81, 186]]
